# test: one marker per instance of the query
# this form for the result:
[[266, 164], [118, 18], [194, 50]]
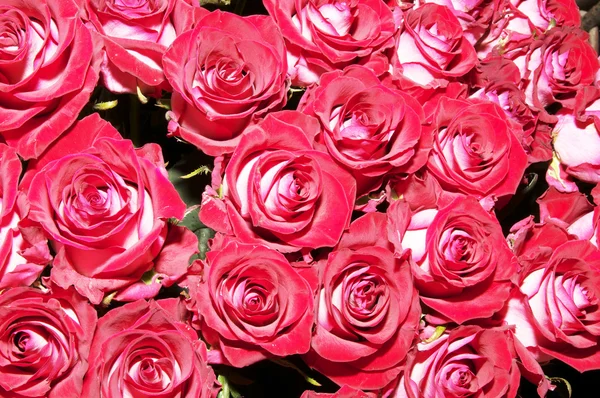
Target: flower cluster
[[369, 161]]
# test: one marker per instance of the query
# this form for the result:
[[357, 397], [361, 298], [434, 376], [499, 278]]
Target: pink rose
[[557, 66], [24, 249], [368, 309], [368, 127], [279, 191], [322, 36], [469, 361], [106, 208], [545, 14], [555, 311], [46, 72], [45, 340], [475, 149], [252, 304], [134, 36], [431, 48], [226, 73], [577, 147], [148, 349], [462, 264]]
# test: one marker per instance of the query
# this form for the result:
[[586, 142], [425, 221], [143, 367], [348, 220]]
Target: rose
[[431, 48], [545, 14], [134, 37], [322, 36], [46, 75], [226, 73], [475, 150], [369, 128], [280, 192], [469, 361], [570, 135], [106, 208], [368, 309], [475, 17], [24, 249], [46, 339], [462, 264], [252, 303], [571, 211], [555, 311], [148, 348], [557, 67], [500, 80]]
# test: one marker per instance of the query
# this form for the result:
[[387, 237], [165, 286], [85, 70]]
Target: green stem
[[239, 7]]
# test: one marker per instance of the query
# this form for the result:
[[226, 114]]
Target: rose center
[[12, 33]]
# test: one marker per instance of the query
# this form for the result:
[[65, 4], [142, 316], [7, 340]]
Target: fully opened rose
[[226, 73], [45, 342], [279, 191], [105, 207], [253, 304], [46, 72]]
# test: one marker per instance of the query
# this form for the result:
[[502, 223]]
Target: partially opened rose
[[252, 304], [462, 264], [46, 72], [431, 48], [369, 128], [279, 191], [148, 349], [545, 14], [226, 73], [24, 249], [322, 36], [45, 339], [134, 37], [368, 309], [475, 150], [106, 208]]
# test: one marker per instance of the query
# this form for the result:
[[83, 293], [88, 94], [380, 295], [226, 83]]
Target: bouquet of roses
[[326, 198]]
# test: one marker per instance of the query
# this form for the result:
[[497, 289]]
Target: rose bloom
[[571, 211], [557, 66], [252, 303], [368, 309], [469, 361], [279, 191], [431, 48], [46, 72], [475, 150], [24, 249], [545, 14], [369, 128], [226, 73], [45, 340], [499, 80], [106, 208], [475, 17], [462, 264], [322, 36], [148, 349], [576, 144], [555, 311], [134, 36]]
